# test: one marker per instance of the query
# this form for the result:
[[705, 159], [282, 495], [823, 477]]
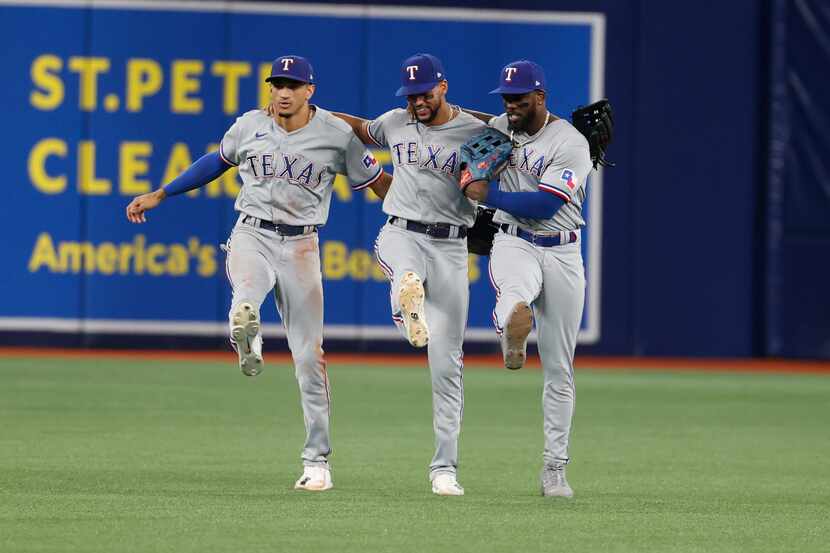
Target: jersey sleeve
[[229, 146], [498, 122], [362, 169], [378, 129], [567, 171]]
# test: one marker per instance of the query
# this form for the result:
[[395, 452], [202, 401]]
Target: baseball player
[[536, 264], [287, 163], [422, 248]]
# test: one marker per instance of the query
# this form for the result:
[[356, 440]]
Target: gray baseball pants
[[442, 265], [261, 261], [552, 281]]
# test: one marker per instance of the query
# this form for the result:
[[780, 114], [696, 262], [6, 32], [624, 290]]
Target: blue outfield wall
[[798, 196], [125, 106], [675, 227]]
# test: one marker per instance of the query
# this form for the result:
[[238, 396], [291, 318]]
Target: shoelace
[[553, 476]]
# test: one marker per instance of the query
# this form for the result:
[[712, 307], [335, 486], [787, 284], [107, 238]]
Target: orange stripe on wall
[[419, 360]]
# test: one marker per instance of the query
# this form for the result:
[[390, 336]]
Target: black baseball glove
[[596, 122], [480, 235], [484, 156]]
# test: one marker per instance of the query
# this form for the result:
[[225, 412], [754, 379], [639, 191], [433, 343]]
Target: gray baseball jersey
[[556, 160], [287, 179], [287, 176], [426, 159]]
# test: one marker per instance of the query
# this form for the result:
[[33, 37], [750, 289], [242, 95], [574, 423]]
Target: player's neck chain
[[517, 144]]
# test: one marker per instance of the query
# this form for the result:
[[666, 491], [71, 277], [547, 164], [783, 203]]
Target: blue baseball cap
[[296, 68], [420, 73], [520, 77]]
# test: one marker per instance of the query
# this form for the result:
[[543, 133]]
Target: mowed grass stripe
[[120, 455]]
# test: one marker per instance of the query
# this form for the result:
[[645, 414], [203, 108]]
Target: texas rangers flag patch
[[569, 178], [369, 160]]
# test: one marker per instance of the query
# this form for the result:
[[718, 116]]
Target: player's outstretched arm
[[358, 125], [145, 202], [529, 205], [204, 170], [480, 115]]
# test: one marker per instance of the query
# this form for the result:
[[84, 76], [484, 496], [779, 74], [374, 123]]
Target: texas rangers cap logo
[[295, 68], [419, 74], [520, 77]]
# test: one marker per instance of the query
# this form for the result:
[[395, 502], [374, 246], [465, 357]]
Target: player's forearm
[[381, 186], [480, 115], [358, 126], [204, 170], [528, 205]]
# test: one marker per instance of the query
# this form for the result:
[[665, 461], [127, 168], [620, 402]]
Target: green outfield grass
[[121, 456]]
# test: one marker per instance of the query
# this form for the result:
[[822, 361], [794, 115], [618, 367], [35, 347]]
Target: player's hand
[[140, 204], [477, 190]]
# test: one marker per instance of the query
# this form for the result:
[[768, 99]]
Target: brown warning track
[[597, 362]]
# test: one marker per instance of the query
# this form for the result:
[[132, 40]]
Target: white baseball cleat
[[315, 479], [444, 483], [514, 339], [411, 295], [246, 339]]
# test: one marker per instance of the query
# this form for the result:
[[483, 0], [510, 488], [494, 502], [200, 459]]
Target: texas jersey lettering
[[553, 161], [287, 177], [426, 167], [437, 157]]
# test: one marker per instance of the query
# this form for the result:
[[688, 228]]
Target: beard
[[429, 118], [433, 113], [520, 124]]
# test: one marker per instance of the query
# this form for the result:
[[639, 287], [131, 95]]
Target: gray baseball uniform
[[425, 189], [287, 180], [550, 279]]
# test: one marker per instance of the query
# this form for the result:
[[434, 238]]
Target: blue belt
[[436, 230], [543, 240], [284, 230]]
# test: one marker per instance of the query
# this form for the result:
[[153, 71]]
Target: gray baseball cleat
[[514, 338], [246, 339], [554, 483]]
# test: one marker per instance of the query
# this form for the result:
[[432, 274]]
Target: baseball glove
[[480, 236], [596, 122], [483, 156]]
